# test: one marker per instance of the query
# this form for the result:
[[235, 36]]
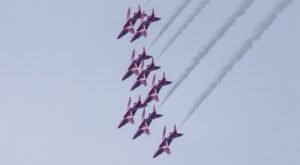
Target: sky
[[61, 94]]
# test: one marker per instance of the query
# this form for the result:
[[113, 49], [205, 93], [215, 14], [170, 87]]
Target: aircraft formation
[[140, 72], [142, 28]]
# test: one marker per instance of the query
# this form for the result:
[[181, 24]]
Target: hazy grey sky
[[61, 95]]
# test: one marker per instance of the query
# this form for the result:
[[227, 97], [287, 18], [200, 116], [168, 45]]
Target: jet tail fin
[[154, 109], [139, 9], [153, 13], [144, 50]]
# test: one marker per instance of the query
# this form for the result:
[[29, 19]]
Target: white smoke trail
[[170, 21], [220, 33], [185, 25], [146, 3], [247, 45]]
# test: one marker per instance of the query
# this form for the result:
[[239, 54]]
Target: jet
[[142, 57], [166, 141], [150, 68], [144, 126], [137, 15], [135, 63], [142, 77], [150, 19], [132, 69], [128, 27], [153, 94], [137, 105], [162, 82], [141, 31], [129, 115]]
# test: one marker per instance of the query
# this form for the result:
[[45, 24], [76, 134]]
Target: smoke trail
[[146, 3], [185, 25], [262, 27], [220, 33], [171, 20]]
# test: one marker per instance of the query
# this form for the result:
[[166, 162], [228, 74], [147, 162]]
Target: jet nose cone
[[134, 137], [120, 125]]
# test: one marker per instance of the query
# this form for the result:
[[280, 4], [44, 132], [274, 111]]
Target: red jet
[[142, 77], [150, 68], [153, 94], [135, 63], [132, 69], [144, 126], [141, 31], [137, 105], [162, 82], [128, 27], [142, 57], [129, 115], [166, 141], [150, 19], [137, 15]]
